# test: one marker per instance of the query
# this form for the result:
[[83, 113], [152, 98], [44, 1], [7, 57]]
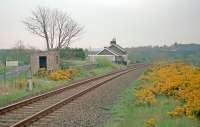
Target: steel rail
[[27, 121], [25, 102]]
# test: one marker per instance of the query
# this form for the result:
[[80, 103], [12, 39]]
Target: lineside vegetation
[[166, 95], [178, 80], [16, 88]]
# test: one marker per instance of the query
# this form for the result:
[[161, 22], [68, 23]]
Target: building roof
[[107, 51], [114, 49], [117, 49]]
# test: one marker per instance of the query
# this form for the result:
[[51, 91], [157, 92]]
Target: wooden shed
[[47, 59]]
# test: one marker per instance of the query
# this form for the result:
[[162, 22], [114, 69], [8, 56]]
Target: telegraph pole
[[4, 71]]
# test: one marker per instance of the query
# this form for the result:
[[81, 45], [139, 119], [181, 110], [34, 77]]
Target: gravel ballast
[[91, 109]]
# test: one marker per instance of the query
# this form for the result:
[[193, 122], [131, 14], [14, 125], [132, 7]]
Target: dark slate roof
[[117, 49], [113, 49], [106, 51]]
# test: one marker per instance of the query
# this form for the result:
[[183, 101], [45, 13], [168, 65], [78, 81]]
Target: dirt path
[[91, 109]]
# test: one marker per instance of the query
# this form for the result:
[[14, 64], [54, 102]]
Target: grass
[[126, 112], [45, 84], [14, 93], [2, 69], [75, 62]]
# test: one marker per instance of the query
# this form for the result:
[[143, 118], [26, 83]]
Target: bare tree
[[56, 27], [19, 45], [19, 49]]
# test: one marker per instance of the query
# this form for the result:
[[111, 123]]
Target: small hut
[[47, 59]]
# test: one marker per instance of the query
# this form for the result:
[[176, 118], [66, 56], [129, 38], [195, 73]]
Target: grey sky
[[132, 22]]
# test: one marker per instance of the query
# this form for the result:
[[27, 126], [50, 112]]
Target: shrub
[[64, 66], [151, 122], [172, 114], [42, 73], [178, 80], [146, 96], [35, 82], [104, 62], [21, 83], [65, 74]]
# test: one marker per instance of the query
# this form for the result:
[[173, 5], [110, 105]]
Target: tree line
[[148, 54]]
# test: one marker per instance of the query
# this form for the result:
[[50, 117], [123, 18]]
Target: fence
[[9, 75]]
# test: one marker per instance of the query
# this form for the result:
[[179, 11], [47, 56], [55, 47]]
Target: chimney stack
[[113, 41]]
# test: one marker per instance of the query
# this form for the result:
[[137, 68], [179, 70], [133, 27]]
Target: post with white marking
[[30, 82]]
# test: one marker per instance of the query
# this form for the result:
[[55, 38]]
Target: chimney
[[113, 41]]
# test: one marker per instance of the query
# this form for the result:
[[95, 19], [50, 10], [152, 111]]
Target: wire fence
[[9, 75]]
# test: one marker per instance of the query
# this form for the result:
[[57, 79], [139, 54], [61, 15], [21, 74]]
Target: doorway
[[43, 61]]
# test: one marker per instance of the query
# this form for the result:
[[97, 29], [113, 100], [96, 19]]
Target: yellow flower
[[151, 122], [62, 74], [172, 114], [176, 79]]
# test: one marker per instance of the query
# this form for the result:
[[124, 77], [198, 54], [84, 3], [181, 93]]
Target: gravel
[[91, 109]]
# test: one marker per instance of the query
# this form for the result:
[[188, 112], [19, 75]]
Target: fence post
[[30, 82]]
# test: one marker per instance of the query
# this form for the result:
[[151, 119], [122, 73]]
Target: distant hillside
[[188, 52]]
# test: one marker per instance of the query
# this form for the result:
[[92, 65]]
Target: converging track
[[24, 113]]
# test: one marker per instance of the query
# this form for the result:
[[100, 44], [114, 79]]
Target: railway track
[[24, 113]]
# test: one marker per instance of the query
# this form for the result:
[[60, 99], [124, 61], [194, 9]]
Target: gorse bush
[[21, 83], [43, 72], [178, 80], [146, 96], [151, 122], [62, 74]]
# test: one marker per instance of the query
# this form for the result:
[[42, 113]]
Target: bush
[[62, 74], [72, 53], [64, 66], [178, 80], [42, 73], [21, 83], [104, 62]]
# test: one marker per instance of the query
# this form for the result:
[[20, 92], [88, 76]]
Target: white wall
[[93, 58], [125, 57]]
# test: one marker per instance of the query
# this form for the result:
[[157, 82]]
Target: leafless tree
[[56, 27], [19, 45], [19, 48]]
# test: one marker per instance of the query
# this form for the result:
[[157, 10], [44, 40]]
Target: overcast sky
[[132, 22]]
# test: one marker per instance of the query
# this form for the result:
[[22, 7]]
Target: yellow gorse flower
[[151, 122], [62, 74], [179, 80]]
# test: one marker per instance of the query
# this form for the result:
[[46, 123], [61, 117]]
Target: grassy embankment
[[138, 106], [10, 93]]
